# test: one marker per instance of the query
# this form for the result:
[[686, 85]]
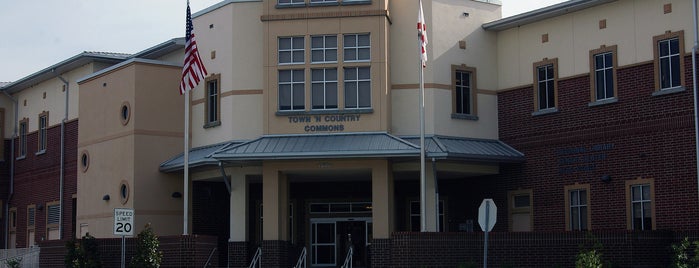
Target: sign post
[[123, 226], [487, 215]]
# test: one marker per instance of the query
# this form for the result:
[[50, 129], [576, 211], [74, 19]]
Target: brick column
[[380, 253], [238, 254], [275, 253]]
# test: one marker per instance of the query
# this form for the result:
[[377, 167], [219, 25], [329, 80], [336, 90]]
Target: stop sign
[[487, 212]]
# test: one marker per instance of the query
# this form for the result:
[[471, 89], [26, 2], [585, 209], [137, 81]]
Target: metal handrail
[[256, 259], [348, 259], [208, 261], [301, 263]]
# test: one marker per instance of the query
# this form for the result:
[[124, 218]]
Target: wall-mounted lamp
[[176, 195], [40, 207], [606, 178], [105, 197], [465, 14]]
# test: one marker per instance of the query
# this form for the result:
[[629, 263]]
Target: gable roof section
[[306, 146], [200, 156], [468, 149], [542, 14], [62, 67]]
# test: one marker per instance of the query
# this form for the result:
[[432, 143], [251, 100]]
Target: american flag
[[422, 36], [193, 70]]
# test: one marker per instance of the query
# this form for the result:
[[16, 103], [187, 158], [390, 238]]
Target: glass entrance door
[[332, 237]]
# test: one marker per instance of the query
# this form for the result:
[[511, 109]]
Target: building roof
[[345, 145], [468, 149], [62, 67], [219, 5], [199, 156], [161, 49], [306, 146], [542, 14]]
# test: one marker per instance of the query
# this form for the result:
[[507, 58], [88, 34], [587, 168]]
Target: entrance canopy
[[346, 145]]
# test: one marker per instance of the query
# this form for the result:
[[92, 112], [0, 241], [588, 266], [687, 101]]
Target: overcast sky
[[36, 34]]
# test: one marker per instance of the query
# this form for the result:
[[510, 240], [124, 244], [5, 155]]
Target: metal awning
[[200, 156], [307, 146], [468, 149], [346, 145]]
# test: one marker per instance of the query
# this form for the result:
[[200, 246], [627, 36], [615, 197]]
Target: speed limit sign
[[123, 221]]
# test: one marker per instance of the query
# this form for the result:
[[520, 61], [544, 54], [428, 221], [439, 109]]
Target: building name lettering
[[582, 159], [324, 123]]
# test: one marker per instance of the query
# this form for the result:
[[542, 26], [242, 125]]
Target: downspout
[[694, 87], [12, 169], [63, 153], [224, 177], [436, 191]]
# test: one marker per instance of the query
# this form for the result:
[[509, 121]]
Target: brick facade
[[275, 253], [639, 136], [37, 181], [178, 251], [239, 254]]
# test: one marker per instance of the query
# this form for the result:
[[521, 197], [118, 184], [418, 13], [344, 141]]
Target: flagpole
[[186, 163], [423, 190]]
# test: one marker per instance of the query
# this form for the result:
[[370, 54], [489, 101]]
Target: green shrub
[[590, 255], [14, 262], [147, 253], [83, 254]]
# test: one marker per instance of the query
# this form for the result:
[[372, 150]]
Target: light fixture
[[105, 197], [176, 195], [606, 178], [465, 14]]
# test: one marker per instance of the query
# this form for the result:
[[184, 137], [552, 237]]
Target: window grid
[[213, 95], [324, 89], [463, 92], [546, 87], [291, 90], [52, 214], [357, 47], [324, 49], [23, 138], [323, 1], [578, 209], [291, 50], [641, 207], [43, 122], [290, 2], [669, 58], [604, 76], [357, 87], [415, 216], [31, 216]]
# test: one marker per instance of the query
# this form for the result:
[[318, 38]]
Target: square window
[[357, 47], [291, 50], [324, 49]]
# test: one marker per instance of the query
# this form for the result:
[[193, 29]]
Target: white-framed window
[[577, 207], [213, 100], [603, 73], [640, 193], [324, 49], [357, 87], [23, 137], [290, 2], [463, 92], [43, 125], [546, 86], [669, 57], [324, 89], [357, 47], [53, 212], [323, 1], [415, 216], [291, 90], [669, 60], [520, 210], [291, 50]]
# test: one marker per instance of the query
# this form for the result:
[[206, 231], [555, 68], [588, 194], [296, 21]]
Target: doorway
[[331, 238]]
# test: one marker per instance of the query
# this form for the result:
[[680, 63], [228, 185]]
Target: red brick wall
[[178, 251], [37, 180], [652, 137]]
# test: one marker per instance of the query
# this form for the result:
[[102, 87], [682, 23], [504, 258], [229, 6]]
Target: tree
[[147, 253]]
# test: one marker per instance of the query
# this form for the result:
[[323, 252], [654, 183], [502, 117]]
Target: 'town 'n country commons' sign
[[123, 221]]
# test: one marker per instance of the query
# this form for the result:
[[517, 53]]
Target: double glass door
[[331, 239]]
